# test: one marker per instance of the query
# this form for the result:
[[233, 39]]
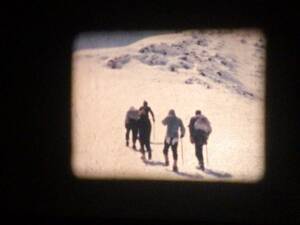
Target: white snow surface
[[219, 72]]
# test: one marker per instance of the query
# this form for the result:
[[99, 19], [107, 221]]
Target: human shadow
[[217, 174], [153, 163], [188, 175]]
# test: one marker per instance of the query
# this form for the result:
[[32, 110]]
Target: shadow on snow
[[154, 163], [217, 174], [210, 172], [183, 174], [187, 175]]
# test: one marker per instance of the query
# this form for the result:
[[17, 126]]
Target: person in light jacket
[[173, 124], [131, 124]]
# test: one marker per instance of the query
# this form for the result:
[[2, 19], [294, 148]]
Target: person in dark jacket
[[173, 123], [200, 129], [145, 128], [144, 137], [147, 110], [131, 124]]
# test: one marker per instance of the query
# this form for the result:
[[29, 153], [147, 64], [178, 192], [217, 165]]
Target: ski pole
[[206, 155], [181, 150]]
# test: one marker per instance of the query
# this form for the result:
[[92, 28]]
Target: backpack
[[202, 123]]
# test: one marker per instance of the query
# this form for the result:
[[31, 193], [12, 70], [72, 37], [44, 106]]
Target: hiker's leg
[[142, 149], [174, 151], [134, 135], [165, 151], [149, 130], [175, 156], [199, 154], [142, 143], [147, 139], [147, 143], [127, 135]]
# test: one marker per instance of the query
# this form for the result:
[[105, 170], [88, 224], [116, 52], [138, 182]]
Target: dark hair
[[198, 112], [172, 112]]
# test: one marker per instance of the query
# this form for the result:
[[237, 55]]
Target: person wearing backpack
[[131, 124], [173, 123], [200, 130]]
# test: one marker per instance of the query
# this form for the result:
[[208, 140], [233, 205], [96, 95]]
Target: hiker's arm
[[152, 114], [126, 120], [165, 121], [209, 125], [182, 129], [191, 127]]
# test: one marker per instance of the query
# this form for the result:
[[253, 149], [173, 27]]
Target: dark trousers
[[144, 136], [174, 148], [148, 131], [145, 144], [134, 129], [199, 151]]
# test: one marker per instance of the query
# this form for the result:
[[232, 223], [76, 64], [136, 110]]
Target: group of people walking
[[137, 121]]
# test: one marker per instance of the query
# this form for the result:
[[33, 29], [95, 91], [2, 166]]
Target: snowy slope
[[219, 72]]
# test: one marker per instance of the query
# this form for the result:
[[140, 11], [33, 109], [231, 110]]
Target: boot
[[201, 166], [166, 160], [127, 143], [149, 155], [134, 147]]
